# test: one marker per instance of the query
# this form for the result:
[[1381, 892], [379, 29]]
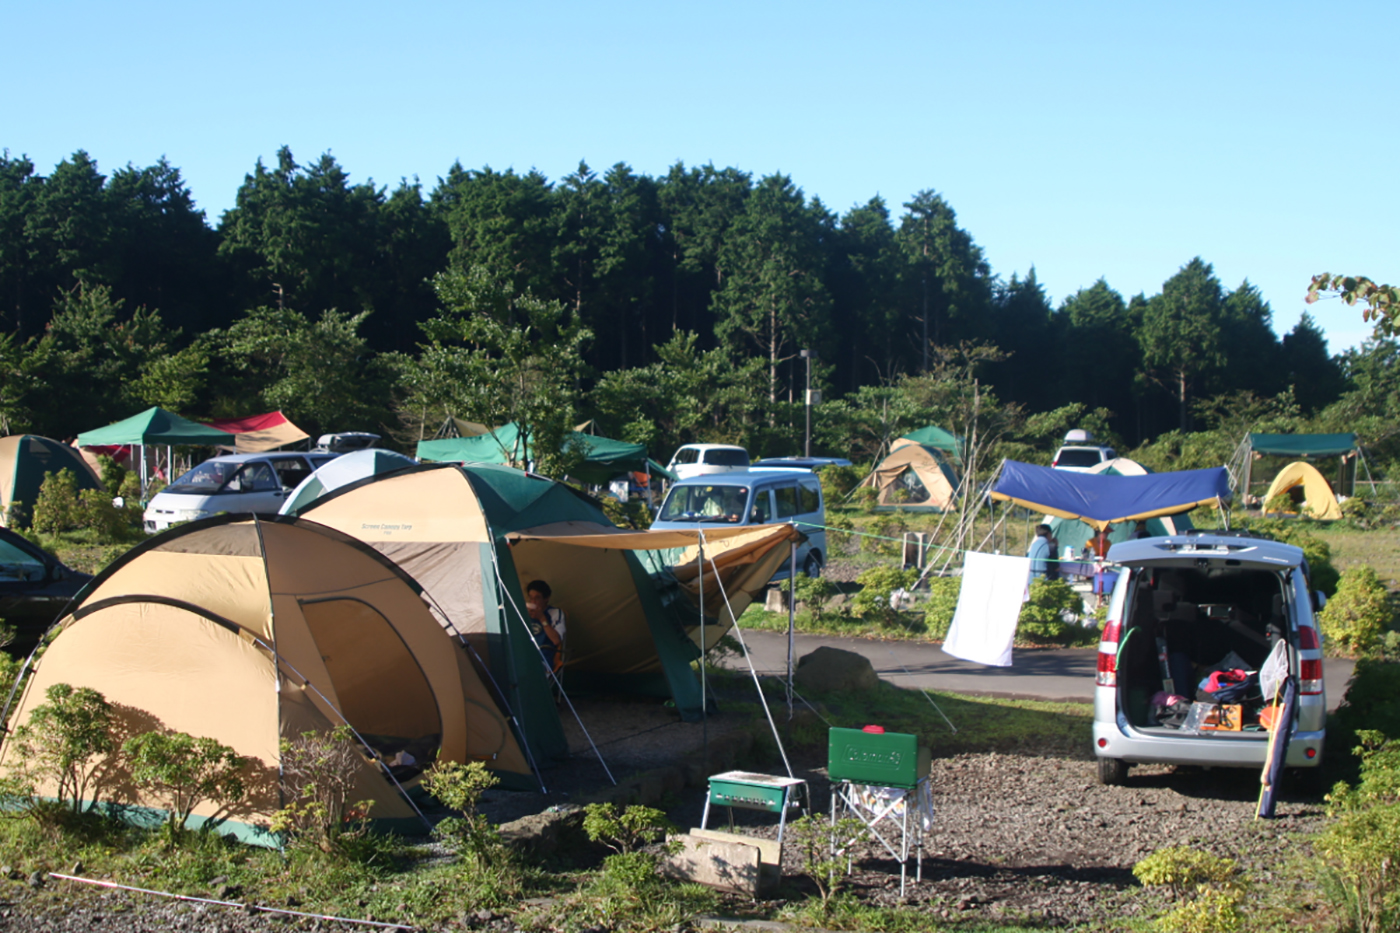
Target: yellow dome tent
[[1321, 502]]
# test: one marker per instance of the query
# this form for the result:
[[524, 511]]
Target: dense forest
[[667, 309]]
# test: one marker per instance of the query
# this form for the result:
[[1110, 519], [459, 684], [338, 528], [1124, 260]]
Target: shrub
[[872, 603], [113, 474], [942, 603], [185, 771], [627, 830], [57, 508], [824, 851], [1358, 851], [1043, 616], [318, 775], [1359, 613], [1214, 910], [1183, 869], [838, 481], [460, 786], [812, 593], [865, 497], [61, 745]]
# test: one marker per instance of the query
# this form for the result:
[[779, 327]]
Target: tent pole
[[1248, 473], [704, 684], [792, 623]]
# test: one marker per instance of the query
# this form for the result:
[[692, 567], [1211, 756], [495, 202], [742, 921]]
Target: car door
[[255, 488]]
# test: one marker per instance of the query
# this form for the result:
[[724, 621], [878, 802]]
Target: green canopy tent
[[1294, 446], [508, 445], [154, 427]]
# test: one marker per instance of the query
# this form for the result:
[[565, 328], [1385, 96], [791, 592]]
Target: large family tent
[[342, 471], [913, 476], [603, 458], [451, 528], [255, 631], [1309, 447], [1071, 532], [26, 460], [1099, 499], [257, 433], [1317, 494]]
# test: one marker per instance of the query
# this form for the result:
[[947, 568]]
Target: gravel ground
[[1015, 838]]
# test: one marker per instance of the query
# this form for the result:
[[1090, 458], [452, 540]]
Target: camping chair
[[881, 779]]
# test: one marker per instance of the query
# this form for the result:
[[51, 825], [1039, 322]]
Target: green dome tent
[[604, 458], [26, 460]]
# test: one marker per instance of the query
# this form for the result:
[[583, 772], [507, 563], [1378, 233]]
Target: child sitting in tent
[[546, 624]]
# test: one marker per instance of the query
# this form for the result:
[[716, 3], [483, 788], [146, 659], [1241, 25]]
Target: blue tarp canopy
[[1100, 500]]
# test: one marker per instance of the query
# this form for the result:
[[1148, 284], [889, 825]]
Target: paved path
[[1039, 673]]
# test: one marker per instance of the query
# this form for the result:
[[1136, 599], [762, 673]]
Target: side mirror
[[1319, 600]]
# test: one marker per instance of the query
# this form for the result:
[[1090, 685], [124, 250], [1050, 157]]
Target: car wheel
[[1113, 771], [812, 566]]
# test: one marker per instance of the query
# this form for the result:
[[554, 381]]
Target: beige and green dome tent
[[253, 631], [26, 460], [913, 476], [473, 536]]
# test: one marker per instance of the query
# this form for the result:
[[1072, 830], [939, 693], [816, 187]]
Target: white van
[[754, 497], [240, 483], [702, 459]]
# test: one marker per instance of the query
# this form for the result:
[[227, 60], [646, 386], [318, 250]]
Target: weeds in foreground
[[1208, 886]]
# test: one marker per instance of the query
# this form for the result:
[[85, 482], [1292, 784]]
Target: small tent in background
[[26, 460], [931, 436], [913, 476], [603, 458], [1317, 494], [254, 631], [1071, 532], [474, 536], [342, 471], [1310, 447], [257, 433]]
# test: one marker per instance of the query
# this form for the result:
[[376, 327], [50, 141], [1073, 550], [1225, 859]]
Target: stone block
[[729, 866]]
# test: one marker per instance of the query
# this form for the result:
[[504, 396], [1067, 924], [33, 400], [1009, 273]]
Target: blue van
[[753, 497]]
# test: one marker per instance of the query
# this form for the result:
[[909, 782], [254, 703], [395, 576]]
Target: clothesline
[[829, 529]]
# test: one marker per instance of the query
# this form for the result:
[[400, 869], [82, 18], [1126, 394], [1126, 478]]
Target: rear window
[[291, 470], [685, 455], [1079, 457], [726, 457], [809, 498]]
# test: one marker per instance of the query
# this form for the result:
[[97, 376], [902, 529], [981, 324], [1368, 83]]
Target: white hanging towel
[[984, 625]]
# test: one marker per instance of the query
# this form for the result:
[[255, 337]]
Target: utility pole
[[807, 434]]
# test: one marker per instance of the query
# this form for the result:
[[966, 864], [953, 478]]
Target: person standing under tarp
[[1043, 552]]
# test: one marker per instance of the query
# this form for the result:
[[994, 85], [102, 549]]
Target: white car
[[702, 459], [239, 483]]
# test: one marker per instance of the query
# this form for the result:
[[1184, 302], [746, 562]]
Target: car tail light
[[1107, 675], [1307, 638], [1309, 677], [1112, 631]]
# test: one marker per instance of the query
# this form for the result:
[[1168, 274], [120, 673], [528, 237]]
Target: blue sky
[[1084, 139]]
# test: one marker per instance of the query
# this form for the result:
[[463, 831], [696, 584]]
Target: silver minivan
[[753, 497], [1186, 605]]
